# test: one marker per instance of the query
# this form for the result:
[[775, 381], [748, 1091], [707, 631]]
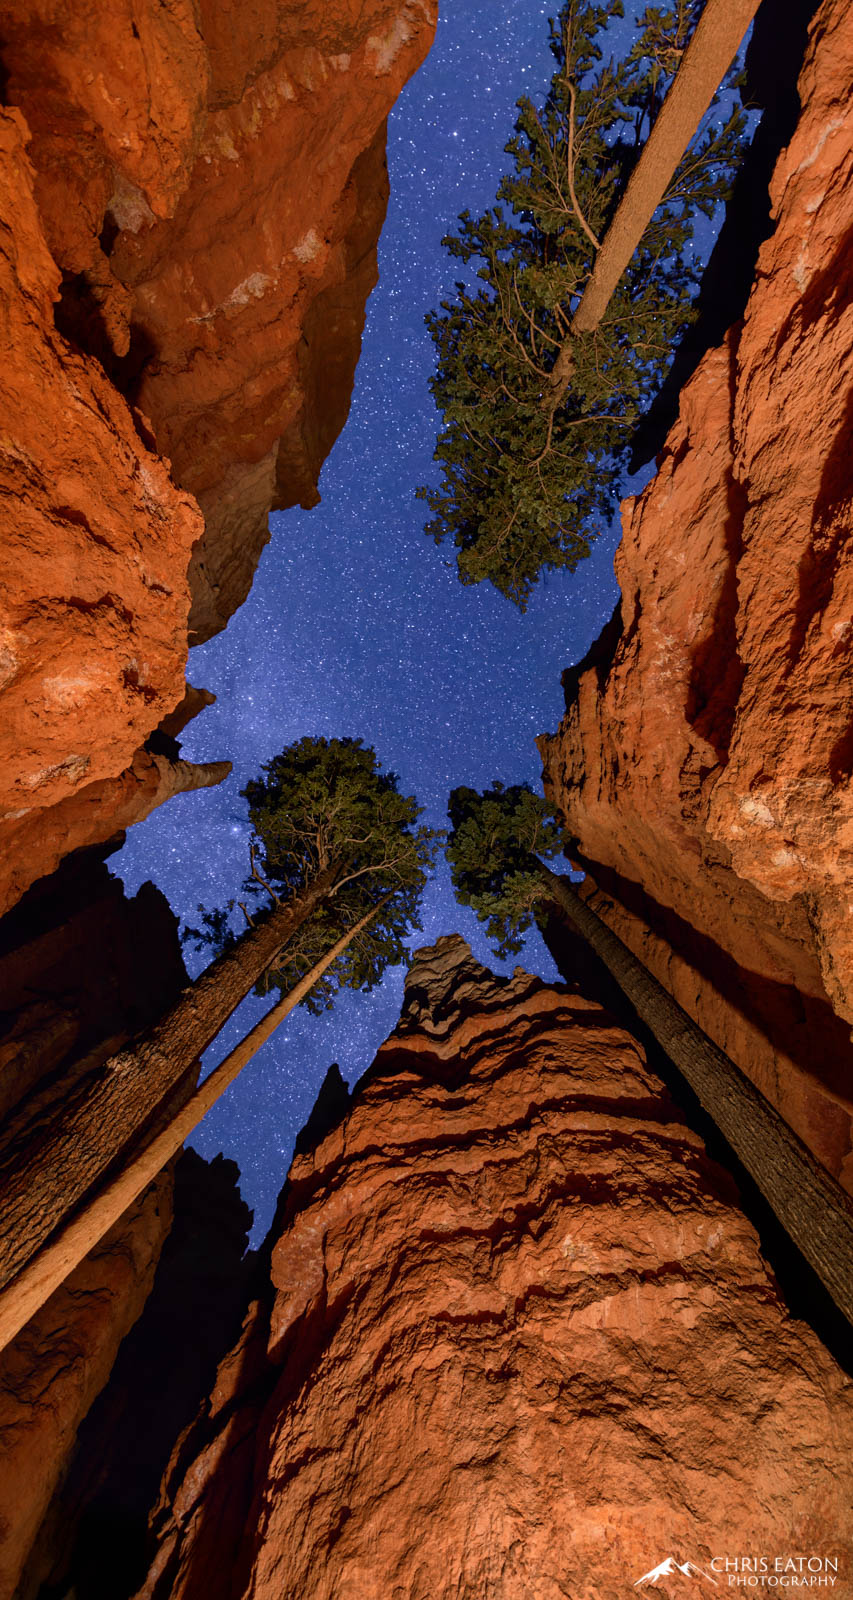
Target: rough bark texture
[[711, 51], [813, 1209], [55, 1369], [80, 968], [192, 197], [78, 1234], [772, 63], [517, 1338], [52, 1156], [704, 761], [93, 1539]]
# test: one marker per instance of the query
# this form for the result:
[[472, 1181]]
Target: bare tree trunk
[[704, 64], [47, 1167], [812, 1207], [49, 1268]]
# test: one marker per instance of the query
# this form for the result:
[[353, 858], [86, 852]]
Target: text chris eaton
[[784, 1572]]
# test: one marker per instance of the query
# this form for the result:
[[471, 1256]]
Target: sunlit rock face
[[703, 765], [517, 1338], [192, 197]]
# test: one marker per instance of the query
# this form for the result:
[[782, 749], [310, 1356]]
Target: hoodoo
[[192, 197], [513, 1332], [516, 1337]]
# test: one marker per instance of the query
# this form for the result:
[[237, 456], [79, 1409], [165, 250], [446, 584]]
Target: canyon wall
[[514, 1336], [93, 1540], [703, 767], [192, 198], [81, 968]]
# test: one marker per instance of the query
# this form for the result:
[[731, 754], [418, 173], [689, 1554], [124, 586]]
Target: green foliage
[[531, 467], [326, 805], [494, 841]]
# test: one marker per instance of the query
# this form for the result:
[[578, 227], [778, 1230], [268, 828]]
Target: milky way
[[357, 623]]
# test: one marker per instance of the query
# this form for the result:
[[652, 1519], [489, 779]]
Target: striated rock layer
[[703, 767], [517, 1337], [192, 197], [53, 1372]]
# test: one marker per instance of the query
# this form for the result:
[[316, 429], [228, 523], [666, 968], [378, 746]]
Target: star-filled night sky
[[357, 624]]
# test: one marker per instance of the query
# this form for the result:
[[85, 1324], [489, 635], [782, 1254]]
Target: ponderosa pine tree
[[498, 847], [333, 832], [497, 842], [75, 1238], [531, 460], [325, 806]]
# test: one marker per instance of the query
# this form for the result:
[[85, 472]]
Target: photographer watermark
[[747, 1572]]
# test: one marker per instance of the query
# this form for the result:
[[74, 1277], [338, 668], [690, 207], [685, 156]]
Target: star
[[357, 624]]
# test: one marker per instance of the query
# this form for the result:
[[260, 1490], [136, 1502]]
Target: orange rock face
[[518, 1338], [193, 197], [229, 169], [96, 1524], [31, 846], [97, 539], [703, 766]]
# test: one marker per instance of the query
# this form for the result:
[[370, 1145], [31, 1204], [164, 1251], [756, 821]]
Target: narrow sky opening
[[357, 624]]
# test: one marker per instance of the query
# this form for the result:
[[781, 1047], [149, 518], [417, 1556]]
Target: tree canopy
[[536, 423], [326, 806], [494, 846]]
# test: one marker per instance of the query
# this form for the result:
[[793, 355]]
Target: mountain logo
[[668, 1568]]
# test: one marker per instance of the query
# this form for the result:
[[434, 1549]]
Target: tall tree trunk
[[705, 62], [49, 1268], [812, 1207], [48, 1166]]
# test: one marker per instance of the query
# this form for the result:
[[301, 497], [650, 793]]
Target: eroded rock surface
[[517, 1337], [55, 1369], [192, 197], [96, 539], [704, 762], [33, 844], [228, 165]]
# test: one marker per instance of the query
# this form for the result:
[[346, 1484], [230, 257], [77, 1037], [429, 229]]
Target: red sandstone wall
[[703, 765], [192, 198], [518, 1339], [97, 539]]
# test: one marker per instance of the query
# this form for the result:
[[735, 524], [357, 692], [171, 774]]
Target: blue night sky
[[357, 624]]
